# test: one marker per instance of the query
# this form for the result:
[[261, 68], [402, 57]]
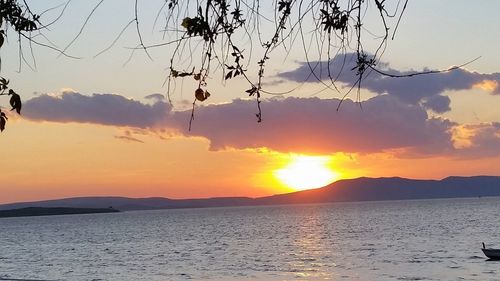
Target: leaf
[[251, 91], [4, 82], [199, 94], [15, 101], [228, 75], [32, 26], [2, 124], [186, 22]]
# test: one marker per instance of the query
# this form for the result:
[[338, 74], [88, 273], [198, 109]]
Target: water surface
[[392, 240]]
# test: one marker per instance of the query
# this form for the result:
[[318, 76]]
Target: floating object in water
[[493, 254]]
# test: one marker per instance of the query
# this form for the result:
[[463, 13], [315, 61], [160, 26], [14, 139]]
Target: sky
[[101, 125]]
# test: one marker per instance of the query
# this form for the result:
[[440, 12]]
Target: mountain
[[360, 189], [379, 189], [129, 204], [40, 211]]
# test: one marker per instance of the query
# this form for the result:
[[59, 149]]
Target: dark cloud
[[426, 89], [439, 104], [128, 136], [313, 125], [484, 141], [106, 109], [302, 125], [155, 97]]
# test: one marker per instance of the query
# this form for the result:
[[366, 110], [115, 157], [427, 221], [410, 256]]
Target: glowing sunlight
[[307, 172]]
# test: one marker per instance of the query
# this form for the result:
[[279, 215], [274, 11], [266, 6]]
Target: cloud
[[105, 109], [313, 125], [423, 89], [155, 97], [479, 140], [439, 104], [128, 136], [301, 125]]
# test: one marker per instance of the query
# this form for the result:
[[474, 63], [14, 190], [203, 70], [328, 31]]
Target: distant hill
[[128, 204], [360, 189], [380, 189], [40, 211]]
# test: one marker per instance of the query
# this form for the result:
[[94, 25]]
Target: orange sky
[[65, 160], [95, 127]]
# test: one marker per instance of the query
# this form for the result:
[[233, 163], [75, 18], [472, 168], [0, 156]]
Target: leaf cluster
[[213, 19], [337, 25], [20, 18], [333, 18], [15, 102]]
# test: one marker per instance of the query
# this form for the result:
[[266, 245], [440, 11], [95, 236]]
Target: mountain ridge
[[346, 190]]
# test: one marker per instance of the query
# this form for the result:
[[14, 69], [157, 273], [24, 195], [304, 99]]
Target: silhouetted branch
[[211, 36], [82, 27], [18, 17], [399, 19], [116, 39], [60, 52], [139, 31], [64, 5], [422, 72], [337, 28]]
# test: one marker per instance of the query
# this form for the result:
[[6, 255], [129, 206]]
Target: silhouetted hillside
[[360, 189], [378, 189], [39, 211], [124, 203]]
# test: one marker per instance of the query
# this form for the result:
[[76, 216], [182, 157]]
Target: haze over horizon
[[350, 190], [93, 127], [376, 186]]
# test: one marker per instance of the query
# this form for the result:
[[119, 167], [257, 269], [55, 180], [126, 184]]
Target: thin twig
[[82, 28], [116, 39], [139, 31], [422, 72]]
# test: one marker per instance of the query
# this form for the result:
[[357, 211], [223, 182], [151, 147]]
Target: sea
[[391, 240]]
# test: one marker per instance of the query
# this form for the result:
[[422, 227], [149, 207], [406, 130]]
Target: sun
[[307, 172]]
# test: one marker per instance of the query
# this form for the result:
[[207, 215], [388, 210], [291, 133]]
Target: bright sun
[[306, 172]]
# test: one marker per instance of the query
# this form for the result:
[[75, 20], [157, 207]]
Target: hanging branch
[[337, 26], [22, 20], [17, 17]]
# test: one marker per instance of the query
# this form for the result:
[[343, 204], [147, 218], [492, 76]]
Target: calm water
[[404, 240]]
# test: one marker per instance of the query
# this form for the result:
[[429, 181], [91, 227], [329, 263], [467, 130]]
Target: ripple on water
[[350, 241]]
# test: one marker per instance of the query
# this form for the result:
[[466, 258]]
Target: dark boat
[[493, 254]]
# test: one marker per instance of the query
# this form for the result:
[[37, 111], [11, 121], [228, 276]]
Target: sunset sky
[[101, 125]]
